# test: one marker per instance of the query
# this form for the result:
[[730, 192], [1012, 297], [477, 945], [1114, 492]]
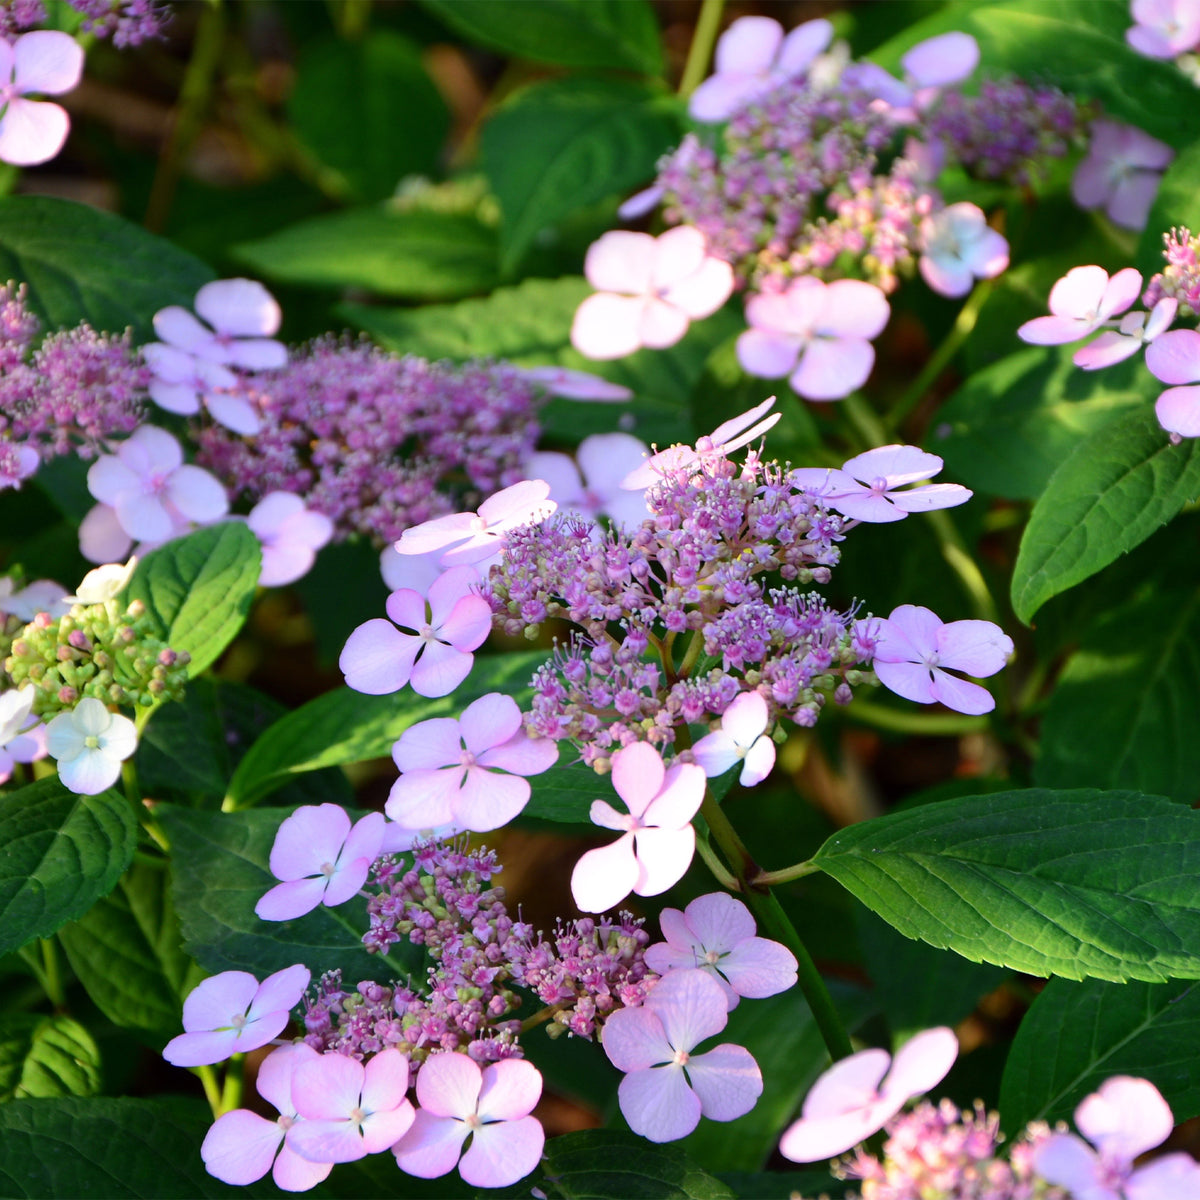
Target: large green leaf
[[1011, 425], [345, 726], [561, 144], [198, 589], [1125, 711], [120, 1149], [611, 1163], [189, 750], [783, 1037], [127, 952], [566, 791], [1110, 494], [572, 33], [59, 853], [415, 255], [1079, 45], [82, 264], [389, 120], [219, 869], [1076, 1035], [44, 1056], [918, 986], [1074, 883]]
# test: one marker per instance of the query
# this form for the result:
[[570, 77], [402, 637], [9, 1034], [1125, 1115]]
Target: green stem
[[194, 97], [51, 975], [775, 921], [350, 18], [700, 51], [785, 874], [933, 724], [212, 1089], [963, 565], [231, 1093], [863, 418], [964, 323], [540, 1017], [719, 871]]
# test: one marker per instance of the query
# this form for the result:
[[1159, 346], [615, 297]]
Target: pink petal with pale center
[[829, 370], [748, 46], [658, 1104], [939, 61], [607, 326], [1175, 356], [602, 878], [727, 1081]]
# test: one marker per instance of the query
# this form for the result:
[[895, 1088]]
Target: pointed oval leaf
[[82, 264], [1074, 883], [119, 1148], [1144, 1029], [1125, 711], [1113, 491], [561, 144], [572, 33], [59, 853], [198, 589]]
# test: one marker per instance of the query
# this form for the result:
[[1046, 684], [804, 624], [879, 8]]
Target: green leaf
[[566, 791], [783, 1038], [1078, 45], [121, 1149], [415, 255], [62, 852], [1142, 1029], [561, 144], [198, 589], [530, 325], [219, 869], [1125, 711], [44, 1056], [1011, 425], [127, 952], [599, 1163], [81, 264], [918, 986], [189, 750], [622, 34], [1073, 883], [1177, 202], [780, 1185], [1113, 491], [345, 726], [388, 121]]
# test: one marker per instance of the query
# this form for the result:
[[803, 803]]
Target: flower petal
[[432, 1145], [602, 878], [658, 1104], [727, 1080], [503, 1152]]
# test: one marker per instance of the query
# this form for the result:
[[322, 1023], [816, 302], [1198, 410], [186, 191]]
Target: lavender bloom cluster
[[835, 180], [378, 442], [128, 22], [445, 902], [702, 565], [77, 389]]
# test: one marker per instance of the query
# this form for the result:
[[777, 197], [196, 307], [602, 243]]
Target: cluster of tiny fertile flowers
[[342, 1086], [1086, 301], [814, 188], [70, 394], [128, 22], [77, 659], [939, 1152], [379, 442]]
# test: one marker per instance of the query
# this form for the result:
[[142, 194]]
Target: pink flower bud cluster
[[379, 442], [77, 389], [1179, 280], [939, 1150]]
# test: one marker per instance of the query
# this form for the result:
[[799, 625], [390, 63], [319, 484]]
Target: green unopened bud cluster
[[95, 651]]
